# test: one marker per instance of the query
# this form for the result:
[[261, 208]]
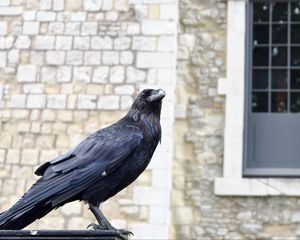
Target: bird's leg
[[104, 224]]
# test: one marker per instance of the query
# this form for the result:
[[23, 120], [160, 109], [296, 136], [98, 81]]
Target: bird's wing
[[102, 152]]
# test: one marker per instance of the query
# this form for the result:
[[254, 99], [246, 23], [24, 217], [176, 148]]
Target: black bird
[[96, 169]]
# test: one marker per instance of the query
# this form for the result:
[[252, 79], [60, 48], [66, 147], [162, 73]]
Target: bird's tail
[[22, 214], [33, 205]]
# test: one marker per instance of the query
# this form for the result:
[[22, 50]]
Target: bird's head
[[148, 101]]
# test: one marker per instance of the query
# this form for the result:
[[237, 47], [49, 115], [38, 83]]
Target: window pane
[[260, 102], [295, 102], [261, 56], [279, 79], [295, 33], [261, 11], [279, 101], [279, 56], [279, 12], [295, 8], [260, 79], [295, 79], [295, 56], [260, 34], [279, 33]]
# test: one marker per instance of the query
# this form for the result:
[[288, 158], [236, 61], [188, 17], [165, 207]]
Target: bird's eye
[[143, 94]]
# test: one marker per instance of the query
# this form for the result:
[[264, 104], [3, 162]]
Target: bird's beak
[[157, 95]]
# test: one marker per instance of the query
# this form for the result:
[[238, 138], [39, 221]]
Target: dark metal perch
[[58, 234]]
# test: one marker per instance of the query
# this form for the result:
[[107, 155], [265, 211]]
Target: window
[[273, 126], [240, 71]]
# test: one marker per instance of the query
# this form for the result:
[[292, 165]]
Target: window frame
[[233, 183]]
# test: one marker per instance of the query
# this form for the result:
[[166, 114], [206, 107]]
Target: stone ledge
[[257, 186], [57, 234]]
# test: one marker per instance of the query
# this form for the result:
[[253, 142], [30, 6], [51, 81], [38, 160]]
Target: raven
[[96, 169]]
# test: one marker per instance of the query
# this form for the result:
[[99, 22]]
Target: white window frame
[[233, 87]]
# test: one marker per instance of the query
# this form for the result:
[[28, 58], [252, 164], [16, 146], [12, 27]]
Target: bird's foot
[[97, 226], [122, 233]]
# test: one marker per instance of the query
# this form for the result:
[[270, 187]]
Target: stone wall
[[70, 67], [197, 212]]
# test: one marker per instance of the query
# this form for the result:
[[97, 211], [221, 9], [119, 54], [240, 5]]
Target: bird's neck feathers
[[148, 122]]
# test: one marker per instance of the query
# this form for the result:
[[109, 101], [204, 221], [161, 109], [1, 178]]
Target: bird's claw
[[96, 226], [124, 232]]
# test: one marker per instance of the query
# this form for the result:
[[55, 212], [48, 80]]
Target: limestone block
[[144, 43], [155, 60], [126, 57], [107, 5], [26, 73], [21, 173], [168, 11], [55, 57], [109, 102], [166, 44], [100, 74], [5, 3], [92, 58], [154, 11], [44, 42], [33, 88], [2, 155], [133, 28], [82, 74], [64, 116], [126, 102], [74, 57], [78, 16], [111, 16], [101, 43], [45, 4], [157, 213], [110, 57], [29, 15], [30, 156], [74, 5], [151, 231], [48, 74], [92, 5], [58, 5], [63, 42], [122, 43], [125, 89], [82, 43], [121, 5], [3, 28], [18, 101], [13, 56], [86, 101], [135, 75], [55, 28], [56, 101], [48, 115], [117, 74], [36, 101], [31, 28], [23, 42], [89, 28], [157, 27], [46, 16], [10, 11], [63, 74], [72, 28], [13, 156]]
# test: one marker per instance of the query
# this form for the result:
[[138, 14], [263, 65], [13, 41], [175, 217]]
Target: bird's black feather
[[97, 168]]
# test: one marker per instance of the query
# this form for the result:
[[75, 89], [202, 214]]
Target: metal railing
[[58, 234]]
